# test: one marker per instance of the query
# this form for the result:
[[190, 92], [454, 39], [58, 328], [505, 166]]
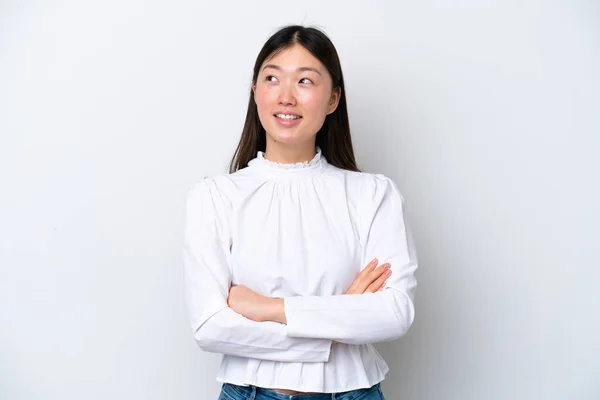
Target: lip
[[287, 123], [286, 112]]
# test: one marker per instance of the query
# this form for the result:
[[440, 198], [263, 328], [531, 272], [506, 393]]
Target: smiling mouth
[[287, 117]]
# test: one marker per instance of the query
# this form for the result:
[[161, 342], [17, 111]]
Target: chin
[[288, 137]]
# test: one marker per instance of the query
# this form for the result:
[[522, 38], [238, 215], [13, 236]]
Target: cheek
[[264, 97], [316, 105]]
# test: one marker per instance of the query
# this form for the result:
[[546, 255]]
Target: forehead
[[293, 58]]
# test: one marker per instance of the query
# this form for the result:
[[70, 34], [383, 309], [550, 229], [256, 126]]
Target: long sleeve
[[207, 278], [369, 317]]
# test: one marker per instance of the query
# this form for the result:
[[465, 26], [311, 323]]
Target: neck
[[289, 153]]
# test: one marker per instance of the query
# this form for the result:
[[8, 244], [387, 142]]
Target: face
[[294, 94]]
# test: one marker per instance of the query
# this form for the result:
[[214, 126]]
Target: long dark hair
[[334, 136]]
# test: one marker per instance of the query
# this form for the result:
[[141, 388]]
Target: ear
[[334, 100]]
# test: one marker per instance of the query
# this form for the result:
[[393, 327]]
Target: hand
[[254, 306], [370, 279]]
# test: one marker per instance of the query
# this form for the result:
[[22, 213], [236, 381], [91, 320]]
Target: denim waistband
[[251, 392]]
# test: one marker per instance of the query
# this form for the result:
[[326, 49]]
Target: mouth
[[287, 120], [287, 117]]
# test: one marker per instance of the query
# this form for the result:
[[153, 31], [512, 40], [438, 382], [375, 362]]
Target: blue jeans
[[235, 392]]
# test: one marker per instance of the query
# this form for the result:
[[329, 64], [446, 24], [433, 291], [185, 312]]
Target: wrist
[[276, 310]]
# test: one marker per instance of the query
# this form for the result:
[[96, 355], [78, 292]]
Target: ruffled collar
[[308, 166]]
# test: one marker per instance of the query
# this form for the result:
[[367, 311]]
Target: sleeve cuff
[[297, 314]]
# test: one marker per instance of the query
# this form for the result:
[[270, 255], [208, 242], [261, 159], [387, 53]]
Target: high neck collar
[[300, 168]]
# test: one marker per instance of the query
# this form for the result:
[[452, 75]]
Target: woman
[[295, 262]]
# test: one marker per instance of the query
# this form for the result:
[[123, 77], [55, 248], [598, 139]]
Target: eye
[[268, 78], [306, 79]]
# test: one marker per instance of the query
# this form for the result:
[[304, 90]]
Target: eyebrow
[[277, 67]]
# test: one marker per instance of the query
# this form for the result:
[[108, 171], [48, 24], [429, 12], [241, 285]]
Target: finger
[[377, 272], [383, 285], [379, 282], [379, 285], [354, 287], [370, 267], [363, 282]]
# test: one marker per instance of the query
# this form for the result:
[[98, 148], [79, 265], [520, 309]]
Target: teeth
[[286, 116]]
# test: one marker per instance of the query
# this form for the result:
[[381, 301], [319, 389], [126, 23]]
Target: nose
[[286, 95]]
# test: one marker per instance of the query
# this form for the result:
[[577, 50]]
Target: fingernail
[[388, 272]]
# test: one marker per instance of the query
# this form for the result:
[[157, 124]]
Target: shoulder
[[206, 185], [366, 186], [212, 189], [225, 188], [380, 186]]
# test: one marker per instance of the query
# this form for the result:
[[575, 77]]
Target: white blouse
[[301, 232]]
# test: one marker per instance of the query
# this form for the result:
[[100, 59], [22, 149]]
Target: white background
[[485, 113]]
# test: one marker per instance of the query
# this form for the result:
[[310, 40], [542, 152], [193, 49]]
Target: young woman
[[295, 262]]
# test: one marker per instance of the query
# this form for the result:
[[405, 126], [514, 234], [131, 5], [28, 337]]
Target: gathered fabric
[[301, 232]]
